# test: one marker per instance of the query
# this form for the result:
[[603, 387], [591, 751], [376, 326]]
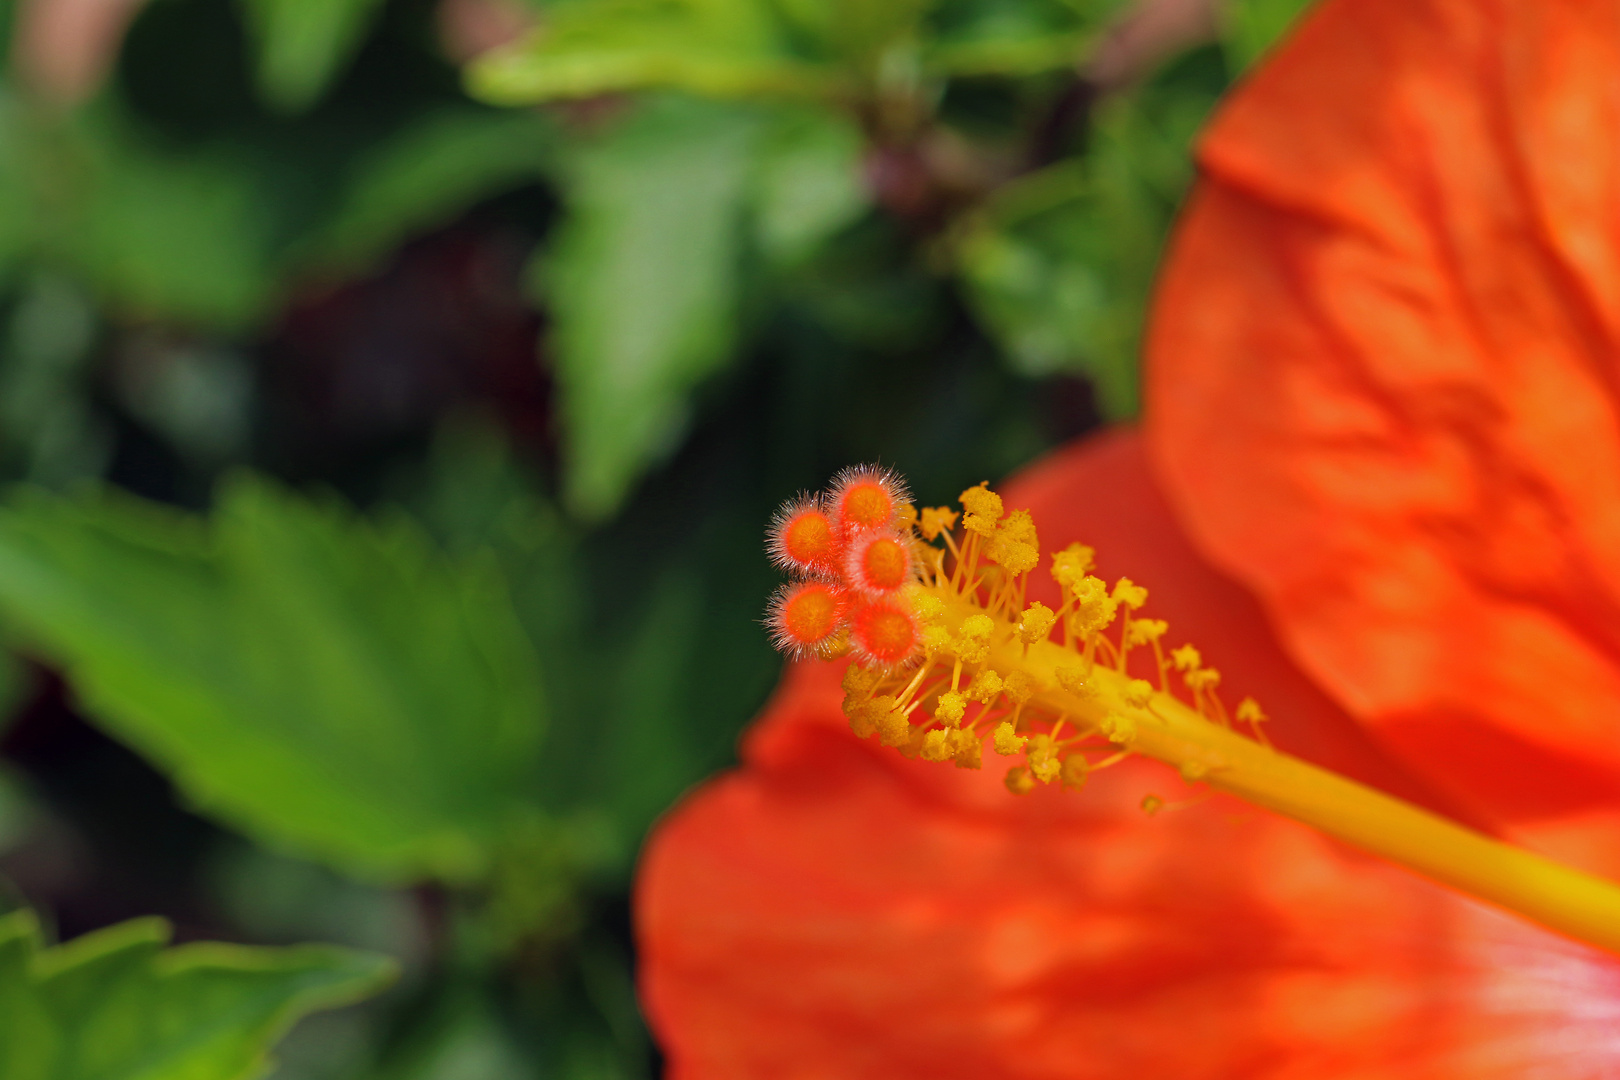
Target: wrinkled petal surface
[[833, 910], [1384, 371]]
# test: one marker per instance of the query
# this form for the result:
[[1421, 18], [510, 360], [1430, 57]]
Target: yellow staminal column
[[1159, 726]]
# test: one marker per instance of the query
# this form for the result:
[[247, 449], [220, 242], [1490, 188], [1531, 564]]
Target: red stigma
[[806, 617], [884, 633], [879, 562], [803, 538], [867, 497]]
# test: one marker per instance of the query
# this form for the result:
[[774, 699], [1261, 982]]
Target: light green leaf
[[808, 183], [303, 44], [331, 687], [1251, 27], [642, 287], [717, 48], [116, 1004], [427, 174]]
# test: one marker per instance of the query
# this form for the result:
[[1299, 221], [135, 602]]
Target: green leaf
[[174, 237], [1014, 37], [116, 1003], [171, 235], [642, 287], [716, 48], [179, 236], [807, 184], [331, 687], [426, 175], [1251, 27], [862, 37], [303, 44], [1060, 265]]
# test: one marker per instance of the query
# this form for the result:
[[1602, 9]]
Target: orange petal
[[835, 910], [1384, 388]]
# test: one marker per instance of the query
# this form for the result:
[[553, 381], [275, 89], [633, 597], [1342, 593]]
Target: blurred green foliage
[[116, 1003], [566, 322]]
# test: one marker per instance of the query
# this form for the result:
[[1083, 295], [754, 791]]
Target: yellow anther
[[1015, 558], [1019, 686], [935, 520], [1071, 564], [1193, 771], [1036, 624], [907, 515], [971, 652], [1008, 741], [1118, 729], [1186, 658], [1146, 631], [860, 680], [928, 608], [969, 751], [1018, 780], [950, 708], [1015, 546], [983, 508], [985, 686], [935, 639], [1152, 804], [1093, 607], [866, 715], [1249, 712], [894, 729], [1138, 692], [1203, 679], [1072, 677], [1019, 528], [1075, 770], [937, 745], [1129, 593], [1042, 758], [972, 644]]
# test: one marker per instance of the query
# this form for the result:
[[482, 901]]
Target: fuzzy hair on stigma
[[884, 634], [806, 619], [867, 497], [879, 562], [803, 537]]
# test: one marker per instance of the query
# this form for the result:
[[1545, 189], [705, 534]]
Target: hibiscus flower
[[1382, 404]]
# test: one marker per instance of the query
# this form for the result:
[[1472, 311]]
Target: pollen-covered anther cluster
[[947, 650]]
